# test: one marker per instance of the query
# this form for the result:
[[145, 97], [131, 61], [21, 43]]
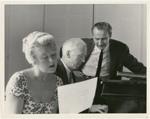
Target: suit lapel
[[62, 72], [113, 55]]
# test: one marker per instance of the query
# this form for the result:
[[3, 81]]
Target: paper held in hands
[[75, 98]]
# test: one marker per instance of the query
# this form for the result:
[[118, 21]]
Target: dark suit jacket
[[119, 57], [61, 72]]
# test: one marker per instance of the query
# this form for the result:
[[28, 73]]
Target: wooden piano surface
[[125, 96]]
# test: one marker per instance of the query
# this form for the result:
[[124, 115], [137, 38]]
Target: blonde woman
[[34, 90]]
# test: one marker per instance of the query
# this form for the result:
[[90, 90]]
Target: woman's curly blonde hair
[[34, 40]]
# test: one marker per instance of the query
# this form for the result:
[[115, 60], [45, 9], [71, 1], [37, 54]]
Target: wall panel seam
[[43, 18], [93, 15]]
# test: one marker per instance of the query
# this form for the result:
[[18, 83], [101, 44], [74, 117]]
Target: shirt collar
[[67, 69]]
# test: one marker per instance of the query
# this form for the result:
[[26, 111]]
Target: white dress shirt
[[91, 65], [105, 68]]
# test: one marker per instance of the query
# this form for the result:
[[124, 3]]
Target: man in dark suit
[[115, 53], [74, 52]]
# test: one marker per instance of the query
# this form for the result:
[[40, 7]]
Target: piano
[[126, 96]]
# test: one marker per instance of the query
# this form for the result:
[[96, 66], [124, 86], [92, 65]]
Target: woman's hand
[[98, 108], [78, 73]]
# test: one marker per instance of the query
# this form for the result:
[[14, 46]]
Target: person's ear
[[68, 53]]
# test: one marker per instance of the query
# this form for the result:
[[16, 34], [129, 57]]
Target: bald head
[[74, 51], [74, 44]]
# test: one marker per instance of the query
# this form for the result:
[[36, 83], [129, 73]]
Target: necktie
[[97, 98], [70, 77], [99, 64]]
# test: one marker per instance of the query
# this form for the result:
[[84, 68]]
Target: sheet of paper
[[74, 98]]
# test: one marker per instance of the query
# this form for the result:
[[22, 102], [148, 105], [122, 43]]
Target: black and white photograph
[[75, 58]]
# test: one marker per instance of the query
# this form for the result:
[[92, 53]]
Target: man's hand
[[98, 108], [78, 73]]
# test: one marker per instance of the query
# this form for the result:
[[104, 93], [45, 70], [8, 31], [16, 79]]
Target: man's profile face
[[101, 38], [77, 58]]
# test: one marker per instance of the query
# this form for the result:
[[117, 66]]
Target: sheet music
[[74, 98]]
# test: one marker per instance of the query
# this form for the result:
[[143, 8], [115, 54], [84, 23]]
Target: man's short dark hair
[[103, 26]]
